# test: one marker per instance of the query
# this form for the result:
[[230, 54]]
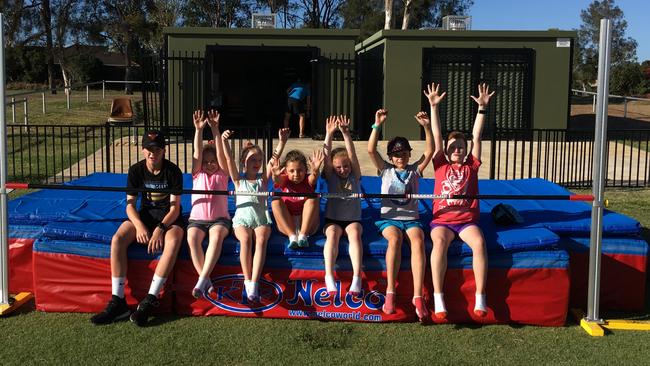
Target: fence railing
[[58, 153], [61, 153], [593, 96], [566, 157], [43, 95]]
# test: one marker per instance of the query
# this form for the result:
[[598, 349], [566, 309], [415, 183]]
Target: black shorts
[[342, 224], [205, 226], [152, 217], [295, 106]]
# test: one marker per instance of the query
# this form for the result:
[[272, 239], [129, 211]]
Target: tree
[[46, 21], [627, 79], [623, 49], [217, 13]]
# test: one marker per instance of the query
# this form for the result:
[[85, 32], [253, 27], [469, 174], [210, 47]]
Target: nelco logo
[[229, 295]]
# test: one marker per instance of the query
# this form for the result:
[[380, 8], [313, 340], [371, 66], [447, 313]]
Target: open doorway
[[248, 84]]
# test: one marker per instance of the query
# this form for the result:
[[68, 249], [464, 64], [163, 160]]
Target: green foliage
[[85, 68], [623, 49], [217, 13], [26, 64], [626, 79]]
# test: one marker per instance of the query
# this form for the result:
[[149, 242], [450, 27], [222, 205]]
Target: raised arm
[[213, 121], [230, 160], [315, 162], [344, 126], [283, 136], [197, 157], [377, 161], [482, 100], [423, 120], [432, 94], [276, 172], [330, 128]]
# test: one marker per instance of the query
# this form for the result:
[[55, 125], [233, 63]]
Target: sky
[[561, 14]]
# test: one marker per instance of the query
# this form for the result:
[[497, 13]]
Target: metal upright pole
[[4, 226], [600, 172]]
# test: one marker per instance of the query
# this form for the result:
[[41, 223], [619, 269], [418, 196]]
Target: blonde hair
[[246, 149], [339, 152]]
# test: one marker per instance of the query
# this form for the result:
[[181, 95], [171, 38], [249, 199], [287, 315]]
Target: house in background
[[244, 73]]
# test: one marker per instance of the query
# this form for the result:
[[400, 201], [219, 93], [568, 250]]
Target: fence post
[[593, 104], [624, 107], [103, 89], [107, 131], [13, 110], [25, 110], [493, 149], [87, 90], [67, 96], [43, 97], [269, 141]]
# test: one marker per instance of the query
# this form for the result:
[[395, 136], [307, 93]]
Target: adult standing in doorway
[[298, 103]]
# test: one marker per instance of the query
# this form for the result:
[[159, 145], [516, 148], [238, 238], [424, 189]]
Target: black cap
[[153, 138], [397, 144]]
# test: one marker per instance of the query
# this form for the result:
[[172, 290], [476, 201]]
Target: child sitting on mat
[[342, 215], [297, 216], [252, 221], [456, 172], [400, 216], [209, 213]]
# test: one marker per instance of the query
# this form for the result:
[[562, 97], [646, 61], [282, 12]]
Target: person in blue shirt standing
[[298, 102]]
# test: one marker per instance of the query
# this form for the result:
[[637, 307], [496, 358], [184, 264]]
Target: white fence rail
[[593, 104]]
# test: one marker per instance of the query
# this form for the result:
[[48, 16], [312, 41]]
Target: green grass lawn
[[34, 337]]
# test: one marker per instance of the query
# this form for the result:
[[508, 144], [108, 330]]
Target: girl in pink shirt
[[209, 213], [456, 173]]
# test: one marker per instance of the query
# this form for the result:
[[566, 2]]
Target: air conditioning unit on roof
[[457, 22], [263, 20]]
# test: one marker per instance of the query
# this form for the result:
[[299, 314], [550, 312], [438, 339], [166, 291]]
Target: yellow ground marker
[[597, 329], [18, 300]]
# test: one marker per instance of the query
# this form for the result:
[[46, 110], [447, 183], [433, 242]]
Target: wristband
[[162, 226], [374, 126], [482, 111]]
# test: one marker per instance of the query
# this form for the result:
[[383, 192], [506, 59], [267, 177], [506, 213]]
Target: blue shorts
[[402, 225]]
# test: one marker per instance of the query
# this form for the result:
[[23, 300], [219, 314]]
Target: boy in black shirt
[[158, 224]]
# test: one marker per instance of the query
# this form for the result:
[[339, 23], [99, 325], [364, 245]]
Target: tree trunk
[[407, 14], [388, 20], [127, 71], [46, 18], [66, 79]]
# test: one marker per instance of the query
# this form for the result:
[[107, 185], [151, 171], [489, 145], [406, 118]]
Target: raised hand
[[344, 124], [432, 94], [227, 134], [423, 119], [331, 123], [380, 116], [274, 167], [198, 119], [316, 160], [283, 134], [484, 95], [213, 119]]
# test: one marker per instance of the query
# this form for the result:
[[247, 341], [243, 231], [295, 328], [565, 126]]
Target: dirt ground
[[638, 116]]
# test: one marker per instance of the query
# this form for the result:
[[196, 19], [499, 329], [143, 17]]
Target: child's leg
[[217, 234], [333, 234], [245, 237], [283, 218], [394, 237], [173, 242], [262, 234], [416, 238], [441, 237], [195, 238], [355, 248], [123, 237], [473, 236], [310, 219]]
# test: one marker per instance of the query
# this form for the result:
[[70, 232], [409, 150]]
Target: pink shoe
[[441, 315], [480, 313], [389, 303], [421, 309]]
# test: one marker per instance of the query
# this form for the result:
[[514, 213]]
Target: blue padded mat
[[632, 245], [25, 231], [95, 216]]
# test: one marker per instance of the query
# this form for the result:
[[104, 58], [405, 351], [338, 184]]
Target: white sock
[[439, 303], [480, 303], [356, 284], [156, 285], [117, 286], [302, 237], [293, 238], [329, 282], [249, 286], [255, 288], [202, 283]]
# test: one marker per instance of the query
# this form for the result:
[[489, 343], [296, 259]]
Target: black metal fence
[[58, 153]]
